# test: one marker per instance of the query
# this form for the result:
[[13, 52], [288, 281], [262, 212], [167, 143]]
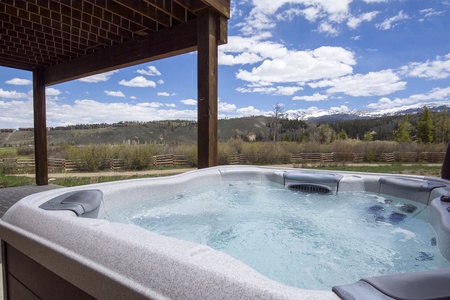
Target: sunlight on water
[[303, 240]]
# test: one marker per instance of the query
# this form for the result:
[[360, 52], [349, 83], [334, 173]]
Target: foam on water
[[303, 240]]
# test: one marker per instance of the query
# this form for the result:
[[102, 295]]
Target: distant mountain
[[332, 116], [259, 128]]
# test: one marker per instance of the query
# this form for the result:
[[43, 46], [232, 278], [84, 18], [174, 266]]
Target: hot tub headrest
[[313, 177], [425, 285], [80, 202], [410, 184]]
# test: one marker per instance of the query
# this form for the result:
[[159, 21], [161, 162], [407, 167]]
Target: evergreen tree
[[425, 127], [403, 132], [342, 135]]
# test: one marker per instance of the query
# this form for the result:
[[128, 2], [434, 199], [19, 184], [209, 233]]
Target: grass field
[[417, 169]]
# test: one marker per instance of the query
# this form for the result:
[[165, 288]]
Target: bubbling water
[[303, 240]]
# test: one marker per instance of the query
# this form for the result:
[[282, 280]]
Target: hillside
[[260, 128]]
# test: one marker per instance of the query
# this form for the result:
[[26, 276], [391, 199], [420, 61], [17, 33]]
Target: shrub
[[25, 151]]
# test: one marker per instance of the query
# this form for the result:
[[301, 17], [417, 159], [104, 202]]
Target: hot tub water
[[303, 240]]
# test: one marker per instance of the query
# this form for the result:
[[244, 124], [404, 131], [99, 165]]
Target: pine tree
[[403, 132], [425, 127], [342, 135]]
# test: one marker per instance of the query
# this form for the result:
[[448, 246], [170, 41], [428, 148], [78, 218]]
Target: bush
[[25, 151]]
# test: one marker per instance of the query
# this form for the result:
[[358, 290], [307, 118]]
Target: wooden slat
[[161, 44]]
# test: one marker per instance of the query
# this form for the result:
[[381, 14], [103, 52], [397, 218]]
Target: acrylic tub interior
[[75, 234]]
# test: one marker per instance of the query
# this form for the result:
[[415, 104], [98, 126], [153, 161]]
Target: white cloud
[[371, 84], [150, 71], [12, 94], [139, 81], [114, 93], [393, 21], [160, 82], [189, 102], [277, 91], [354, 22], [240, 59], [226, 107], [436, 69], [98, 77], [249, 50], [88, 111], [150, 104], [19, 81], [314, 97], [429, 13], [163, 94], [326, 27], [249, 111], [375, 1], [52, 92], [302, 66], [437, 94]]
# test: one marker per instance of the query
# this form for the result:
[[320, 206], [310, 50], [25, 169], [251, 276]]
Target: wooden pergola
[[69, 39]]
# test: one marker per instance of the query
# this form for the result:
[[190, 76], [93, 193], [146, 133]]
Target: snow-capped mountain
[[314, 114]]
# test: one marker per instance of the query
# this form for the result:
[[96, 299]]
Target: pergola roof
[[75, 38]]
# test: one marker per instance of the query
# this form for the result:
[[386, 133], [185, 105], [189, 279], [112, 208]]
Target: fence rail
[[169, 160], [297, 159]]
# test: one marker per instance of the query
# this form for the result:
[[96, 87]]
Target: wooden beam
[[165, 43], [207, 87], [221, 6], [40, 128]]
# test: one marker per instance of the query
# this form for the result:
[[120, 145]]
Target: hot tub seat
[[425, 285]]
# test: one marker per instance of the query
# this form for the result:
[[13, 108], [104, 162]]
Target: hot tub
[[61, 242]]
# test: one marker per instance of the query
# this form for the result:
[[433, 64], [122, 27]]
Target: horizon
[[311, 57]]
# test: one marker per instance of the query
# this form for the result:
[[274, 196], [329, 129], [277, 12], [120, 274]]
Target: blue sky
[[310, 56]]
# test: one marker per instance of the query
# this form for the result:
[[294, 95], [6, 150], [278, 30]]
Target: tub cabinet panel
[[24, 278]]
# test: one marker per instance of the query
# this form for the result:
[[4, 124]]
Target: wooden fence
[[59, 164], [391, 157], [169, 160], [297, 159]]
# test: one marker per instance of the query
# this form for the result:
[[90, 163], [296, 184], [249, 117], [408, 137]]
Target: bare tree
[[277, 114]]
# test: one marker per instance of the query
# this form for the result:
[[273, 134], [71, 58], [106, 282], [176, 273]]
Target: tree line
[[426, 127]]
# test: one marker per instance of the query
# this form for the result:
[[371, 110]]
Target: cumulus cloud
[[98, 77], [302, 66], [163, 94], [226, 107], [19, 81], [240, 59], [249, 111], [436, 94], [371, 84], [314, 97], [139, 81], [52, 92], [149, 71], [114, 93], [12, 94], [189, 102], [435, 69], [393, 21]]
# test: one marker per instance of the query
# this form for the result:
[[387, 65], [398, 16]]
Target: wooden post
[[40, 127], [207, 65]]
